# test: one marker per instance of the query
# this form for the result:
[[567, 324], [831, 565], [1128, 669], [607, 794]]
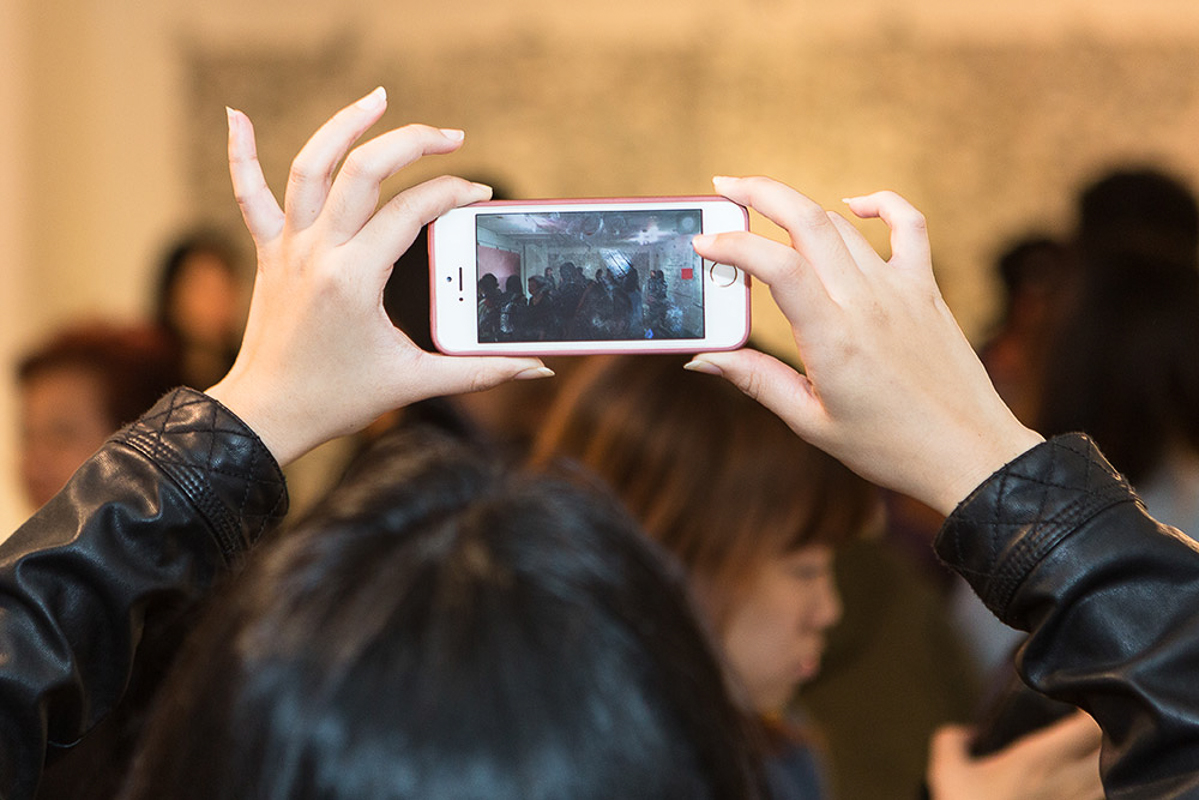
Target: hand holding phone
[[561, 277]]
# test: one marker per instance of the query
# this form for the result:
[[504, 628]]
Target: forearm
[[1057, 544], [149, 521]]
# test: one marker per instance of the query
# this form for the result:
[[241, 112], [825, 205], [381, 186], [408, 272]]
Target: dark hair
[[713, 476], [133, 365], [444, 627], [1125, 368], [202, 241], [1138, 210], [1035, 263]]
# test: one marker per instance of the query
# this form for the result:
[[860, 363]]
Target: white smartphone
[[572, 277]]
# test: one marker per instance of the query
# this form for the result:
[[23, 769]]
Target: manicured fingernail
[[534, 374], [703, 240], [706, 367], [848, 200], [373, 101], [454, 133], [481, 185]]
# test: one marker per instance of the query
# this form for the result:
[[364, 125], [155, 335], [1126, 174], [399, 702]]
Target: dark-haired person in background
[[444, 626], [77, 388], [198, 304]]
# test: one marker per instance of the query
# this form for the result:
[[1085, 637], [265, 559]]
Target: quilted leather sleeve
[[1056, 543], [149, 521], [1010, 523]]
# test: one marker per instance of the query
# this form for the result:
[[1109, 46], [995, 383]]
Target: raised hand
[[891, 387], [320, 358]]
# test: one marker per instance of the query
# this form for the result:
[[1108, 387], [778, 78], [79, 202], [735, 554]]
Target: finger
[[949, 744], [312, 170], [449, 375], [259, 208], [1076, 780], [794, 284], [1073, 736], [811, 232], [861, 250], [909, 229], [395, 226], [355, 191], [772, 383]]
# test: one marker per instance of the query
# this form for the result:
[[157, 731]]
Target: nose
[[828, 606]]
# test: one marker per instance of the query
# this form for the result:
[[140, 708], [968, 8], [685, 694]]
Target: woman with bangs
[[751, 511], [754, 515]]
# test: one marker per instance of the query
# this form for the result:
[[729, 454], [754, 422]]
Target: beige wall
[[14, 234], [986, 114]]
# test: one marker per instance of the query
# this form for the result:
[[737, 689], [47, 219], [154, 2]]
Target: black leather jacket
[[168, 504], [1056, 543]]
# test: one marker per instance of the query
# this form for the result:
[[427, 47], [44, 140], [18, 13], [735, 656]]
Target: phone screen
[[562, 276]]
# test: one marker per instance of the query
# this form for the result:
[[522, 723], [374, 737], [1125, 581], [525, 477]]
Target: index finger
[[812, 234]]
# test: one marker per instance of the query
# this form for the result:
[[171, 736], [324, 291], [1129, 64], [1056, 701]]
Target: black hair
[[444, 627], [1124, 368], [175, 258], [1138, 210]]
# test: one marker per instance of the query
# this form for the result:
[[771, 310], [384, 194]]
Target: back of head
[[1124, 368], [1141, 211], [446, 628], [713, 476]]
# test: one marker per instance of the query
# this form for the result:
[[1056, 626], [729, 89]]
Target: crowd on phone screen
[[571, 306], [1107, 296]]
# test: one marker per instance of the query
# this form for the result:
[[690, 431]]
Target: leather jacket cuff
[[217, 461], [1010, 523]]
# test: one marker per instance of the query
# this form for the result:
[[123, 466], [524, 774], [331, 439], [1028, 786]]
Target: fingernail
[[848, 200], [373, 101], [454, 133], [481, 185], [706, 367], [534, 374], [718, 179], [703, 240]]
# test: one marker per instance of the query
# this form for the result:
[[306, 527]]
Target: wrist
[[980, 457], [263, 418]]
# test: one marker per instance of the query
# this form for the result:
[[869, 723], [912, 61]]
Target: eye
[[807, 572]]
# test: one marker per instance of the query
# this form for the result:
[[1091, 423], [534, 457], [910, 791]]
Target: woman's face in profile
[[775, 635]]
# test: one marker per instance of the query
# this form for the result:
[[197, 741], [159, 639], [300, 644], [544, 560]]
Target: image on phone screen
[[589, 275]]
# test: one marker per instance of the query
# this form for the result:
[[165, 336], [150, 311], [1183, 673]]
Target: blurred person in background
[[750, 511], [1124, 368], [754, 515], [198, 303], [77, 388]]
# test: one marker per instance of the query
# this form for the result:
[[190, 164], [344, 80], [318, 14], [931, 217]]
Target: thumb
[[779, 387], [950, 742], [439, 375]]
